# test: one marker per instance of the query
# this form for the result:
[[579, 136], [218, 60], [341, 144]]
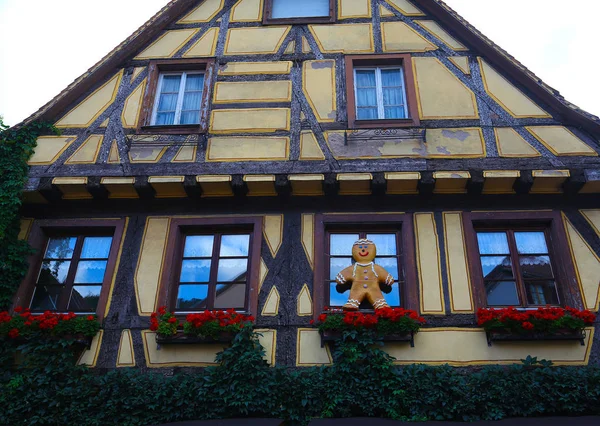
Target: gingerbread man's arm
[[345, 278], [384, 277]]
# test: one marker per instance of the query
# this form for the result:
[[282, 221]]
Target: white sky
[[45, 45]]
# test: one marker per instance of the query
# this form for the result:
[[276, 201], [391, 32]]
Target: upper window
[[380, 90], [280, 11], [178, 100]]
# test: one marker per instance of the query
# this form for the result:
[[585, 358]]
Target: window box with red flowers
[[550, 323], [203, 327], [23, 325], [387, 324]]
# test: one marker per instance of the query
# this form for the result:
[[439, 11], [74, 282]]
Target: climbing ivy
[[16, 146]]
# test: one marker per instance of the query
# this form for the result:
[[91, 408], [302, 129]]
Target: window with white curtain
[[178, 100], [380, 93], [282, 9]]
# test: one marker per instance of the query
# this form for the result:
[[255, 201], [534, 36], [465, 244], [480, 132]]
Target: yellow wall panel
[[253, 68], [84, 114], [273, 231], [405, 7], [49, 148], [508, 96], [150, 263], [87, 153], [168, 44], [252, 91], [248, 149], [126, 354], [440, 93], [343, 38], [133, 106], [136, 72], [428, 261], [455, 143], [461, 298], [399, 37], [142, 153], [318, 83], [511, 144], [186, 154], [113, 155], [463, 346], [89, 357], [263, 272], [309, 147], [304, 306], [354, 9], [252, 120], [593, 217], [435, 29], [247, 11], [561, 141], [308, 349], [308, 237], [384, 12], [271, 308], [205, 46], [25, 228], [248, 41], [462, 62], [207, 10]]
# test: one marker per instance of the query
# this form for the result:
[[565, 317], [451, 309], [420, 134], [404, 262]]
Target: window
[[179, 99], [520, 259], [215, 265], [380, 91], [293, 11]]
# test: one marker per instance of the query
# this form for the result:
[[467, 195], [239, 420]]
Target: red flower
[[172, 320], [14, 333], [527, 325], [18, 309], [91, 318], [162, 310], [312, 322], [28, 323]]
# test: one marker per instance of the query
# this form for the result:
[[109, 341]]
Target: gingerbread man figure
[[364, 277]]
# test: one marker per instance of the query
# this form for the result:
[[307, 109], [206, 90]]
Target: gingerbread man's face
[[364, 252]]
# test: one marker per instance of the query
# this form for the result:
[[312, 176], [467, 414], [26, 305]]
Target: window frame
[[180, 96], [43, 230], [402, 61], [156, 69], [181, 227], [401, 223], [379, 89], [268, 8], [558, 249]]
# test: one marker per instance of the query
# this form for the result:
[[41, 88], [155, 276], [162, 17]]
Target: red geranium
[[542, 320], [25, 324], [383, 321]]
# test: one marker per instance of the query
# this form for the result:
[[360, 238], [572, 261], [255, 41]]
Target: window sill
[[185, 339], [508, 336], [170, 130], [334, 336], [384, 124]]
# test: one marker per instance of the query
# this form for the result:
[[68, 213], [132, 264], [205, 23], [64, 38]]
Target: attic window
[[294, 11], [178, 100]]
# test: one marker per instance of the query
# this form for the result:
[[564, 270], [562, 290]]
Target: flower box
[[510, 336], [182, 339], [335, 335]]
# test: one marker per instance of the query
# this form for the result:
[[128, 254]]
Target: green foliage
[[16, 146]]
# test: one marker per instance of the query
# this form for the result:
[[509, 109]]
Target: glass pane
[[366, 114], [496, 268], [394, 112], [194, 82], [84, 298], [167, 102], [493, 243], [192, 297], [365, 78], [90, 272], [195, 271], [335, 298], [45, 298], [385, 243], [531, 242], [341, 244], [336, 264], [54, 272], [366, 98], [536, 267], [170, 84], [96, 247], [234, 245], [391, 78], [198, 246], [232, 270], [502, 293], [393, 298], [165, 119], [392, 96], [191, 101], [299, 9], [190, 117], [390, 264], [230, 296], [60, 248], [541, 293]]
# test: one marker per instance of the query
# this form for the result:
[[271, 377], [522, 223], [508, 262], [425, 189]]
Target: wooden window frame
[[180, 227], [402, 223], [398, 60], [155, 68], [558, 248], [268, 8], [42, 230]]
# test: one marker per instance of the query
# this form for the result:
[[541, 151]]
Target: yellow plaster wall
[[150, 263], [441, 94], [462, 347], [133, 106], [428, 262], [86, 112], [252, 91], [507, 95], [462, 62], [25, 228], [113, 155], [89, 357], [304, 305], [206, 11], [309, 147], [186, 154], [399, 37], [248, 41], [461, 298], [205, 46], [271, 308], [512, 144], [87, 153], [308, 349], [343, 38], [144, 153], [305, 46], [251, 120], [561, 141], [592, 216], [458, 143], [405, 7], [253, 68], [49, 148], [273, 232], [247, 11], [248, 149], [435, 29], [136, 72], [168, 44], [348, 9], [318, 84], [126, 355], [384, 12], [263, 272], [308, 237]]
